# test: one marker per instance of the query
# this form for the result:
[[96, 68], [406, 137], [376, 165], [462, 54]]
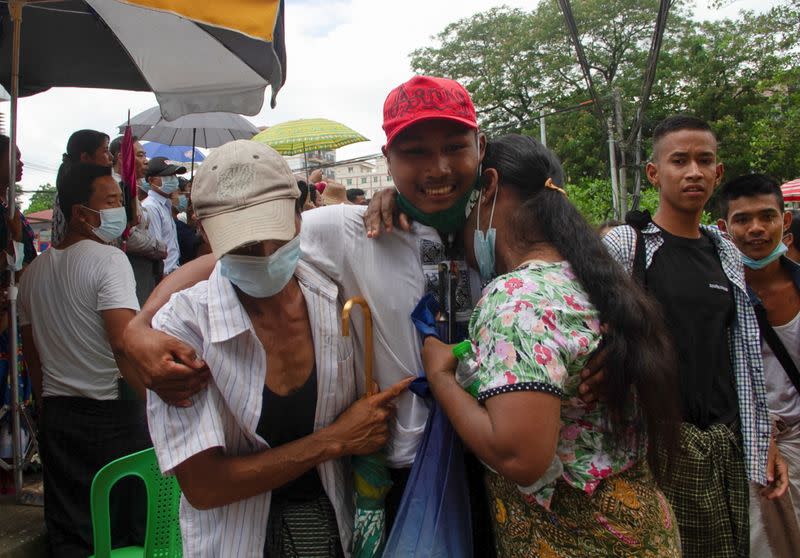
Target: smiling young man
[[752, 212], [696, 275]]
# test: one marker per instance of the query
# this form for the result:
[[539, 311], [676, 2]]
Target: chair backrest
[[163, 534]]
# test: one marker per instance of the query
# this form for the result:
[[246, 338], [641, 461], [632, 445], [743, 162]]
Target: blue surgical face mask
[[144, 185], [779, 251], [262, 276], [112, 223], [483, 245], [169, 184], [183, 203]]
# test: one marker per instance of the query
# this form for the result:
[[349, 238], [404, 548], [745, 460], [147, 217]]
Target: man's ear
[[720, 172], [788, 240], [723, 226], [651, 171]]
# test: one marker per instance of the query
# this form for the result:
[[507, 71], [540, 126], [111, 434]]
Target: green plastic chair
[[163, 533]]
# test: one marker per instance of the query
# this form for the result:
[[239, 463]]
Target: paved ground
[[22, 531]]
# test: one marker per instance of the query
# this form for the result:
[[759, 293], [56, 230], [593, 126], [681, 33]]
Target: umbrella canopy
[[176, 153], [791, 191], [234, 49], [312, 134], [207, 129]]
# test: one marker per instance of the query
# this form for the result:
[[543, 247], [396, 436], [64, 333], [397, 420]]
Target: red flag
[[128, 162], [129, 175]]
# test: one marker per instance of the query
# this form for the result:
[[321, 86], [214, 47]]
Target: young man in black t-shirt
[[696, 274]]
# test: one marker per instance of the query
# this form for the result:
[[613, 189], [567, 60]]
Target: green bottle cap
[[462, 349]]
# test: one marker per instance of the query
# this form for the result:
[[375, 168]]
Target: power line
[[652, 63], [572, 27]]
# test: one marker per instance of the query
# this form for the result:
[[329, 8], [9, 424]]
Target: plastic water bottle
[[467, 369]]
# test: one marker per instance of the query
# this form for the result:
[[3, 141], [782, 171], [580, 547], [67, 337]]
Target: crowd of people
[[635, 390]]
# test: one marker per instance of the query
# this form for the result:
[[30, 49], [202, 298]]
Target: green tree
[[42, 199], [741, 75]]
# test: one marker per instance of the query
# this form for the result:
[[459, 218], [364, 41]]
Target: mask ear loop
[[491, 215]]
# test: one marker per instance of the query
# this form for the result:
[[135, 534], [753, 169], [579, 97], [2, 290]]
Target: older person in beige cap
[[335, 194], [263, 474]]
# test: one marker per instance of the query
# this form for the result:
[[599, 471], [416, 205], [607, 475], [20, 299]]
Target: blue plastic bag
[[434, 515]]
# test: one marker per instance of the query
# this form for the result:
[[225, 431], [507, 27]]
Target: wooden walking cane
[[357, 300]]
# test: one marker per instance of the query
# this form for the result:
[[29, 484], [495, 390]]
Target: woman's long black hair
[[639, 359], [80, 142]]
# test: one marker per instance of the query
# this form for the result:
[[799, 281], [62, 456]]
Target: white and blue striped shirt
[[210, 318]]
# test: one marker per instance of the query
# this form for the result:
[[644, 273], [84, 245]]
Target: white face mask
[[112, 223], [262, 276], [169, 184]]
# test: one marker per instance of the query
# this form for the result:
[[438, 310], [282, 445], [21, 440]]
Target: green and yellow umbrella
[[308, 134]]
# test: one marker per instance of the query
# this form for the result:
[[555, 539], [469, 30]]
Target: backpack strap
[[638, 220]]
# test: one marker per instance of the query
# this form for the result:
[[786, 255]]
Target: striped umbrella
[[311, 134], [195, 56], [228, 53], [791, 191]]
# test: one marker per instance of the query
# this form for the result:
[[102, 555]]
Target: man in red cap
[[434, 149]]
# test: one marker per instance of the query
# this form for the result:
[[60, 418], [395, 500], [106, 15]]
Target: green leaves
[[42, 199], [741, 75]]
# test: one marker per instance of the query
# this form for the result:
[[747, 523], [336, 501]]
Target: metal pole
[[15, 9], [612, 159], [305, 164], [623, 167], [637, 170], [542, 130], [194, 138]]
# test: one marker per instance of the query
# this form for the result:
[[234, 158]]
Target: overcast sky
[[343, 58]]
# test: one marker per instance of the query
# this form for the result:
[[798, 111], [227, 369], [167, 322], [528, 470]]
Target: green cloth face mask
[[448, 220]]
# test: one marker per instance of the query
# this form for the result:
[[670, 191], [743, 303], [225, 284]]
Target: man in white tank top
[[753, 214]]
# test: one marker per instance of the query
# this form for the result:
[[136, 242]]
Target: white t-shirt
[[392, 273], [782, 397], [62, 294]]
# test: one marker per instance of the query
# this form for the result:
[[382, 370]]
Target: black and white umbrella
[[194, 55]]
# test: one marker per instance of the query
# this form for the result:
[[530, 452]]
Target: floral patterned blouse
[[533, 330]]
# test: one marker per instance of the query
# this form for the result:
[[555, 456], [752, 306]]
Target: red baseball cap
[[424, 98]]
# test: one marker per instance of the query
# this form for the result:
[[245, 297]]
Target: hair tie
[[65, 158], [550, 184]]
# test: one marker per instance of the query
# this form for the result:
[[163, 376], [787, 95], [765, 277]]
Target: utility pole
[[622, 196], [637, 170], [612, 160], [542, 129]]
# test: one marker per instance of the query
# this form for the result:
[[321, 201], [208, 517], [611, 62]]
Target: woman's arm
[[515, 434]]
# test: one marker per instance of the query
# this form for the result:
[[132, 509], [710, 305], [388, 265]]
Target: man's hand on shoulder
[[165, 365], [382, 211]]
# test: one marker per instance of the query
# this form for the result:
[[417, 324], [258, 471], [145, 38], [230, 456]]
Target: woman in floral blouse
[[565, 478]]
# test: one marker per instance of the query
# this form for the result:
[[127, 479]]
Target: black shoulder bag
[[776, 345]]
